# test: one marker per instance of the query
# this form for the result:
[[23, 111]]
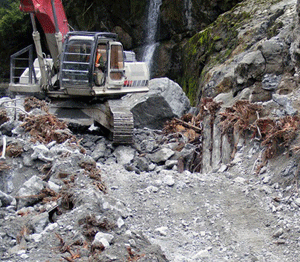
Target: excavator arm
[[43, 10], [52, 17]]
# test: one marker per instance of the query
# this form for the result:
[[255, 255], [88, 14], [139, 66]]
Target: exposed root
[[4, 166], [47, 128], [273, 133], [208, 107], [25, 231], [46, 195], [3, 116], [91, 225], [132, 255], [94, 173], [278, 134], [32, 102], [67, 248], [14, 150], [240, 117]]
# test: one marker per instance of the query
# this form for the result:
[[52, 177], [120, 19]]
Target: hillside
[[218, 184]]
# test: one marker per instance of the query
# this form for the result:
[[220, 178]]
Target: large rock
[[164, 101], [5, 200], [28, 192]]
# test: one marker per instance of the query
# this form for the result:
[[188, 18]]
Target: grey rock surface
[[164, 101]]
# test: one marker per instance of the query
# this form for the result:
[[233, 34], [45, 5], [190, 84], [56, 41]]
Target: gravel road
[[227, 215]]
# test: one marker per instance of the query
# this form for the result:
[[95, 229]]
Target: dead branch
[[14, 150], [3, 117], [4, 166], [4, 147], [32, 102], [132, 255], [189, 125], [47, 128]]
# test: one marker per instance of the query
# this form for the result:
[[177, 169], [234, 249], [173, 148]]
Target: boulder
[[39, 222], [164, 101], [99, 151], [161, 155], [5, 200], [29, 190], [124, 154]]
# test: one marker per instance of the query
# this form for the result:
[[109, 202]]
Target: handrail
[[16, 56]]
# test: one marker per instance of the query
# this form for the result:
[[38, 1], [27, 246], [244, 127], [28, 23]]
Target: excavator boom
[[43, 10], [52, 17]]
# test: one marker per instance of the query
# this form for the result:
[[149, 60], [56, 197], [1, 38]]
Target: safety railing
[[19, 62]]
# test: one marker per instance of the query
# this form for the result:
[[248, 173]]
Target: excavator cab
[[91, 63], [116, 65]]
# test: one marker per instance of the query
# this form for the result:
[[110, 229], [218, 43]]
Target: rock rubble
[[85, 199], [54, 203]]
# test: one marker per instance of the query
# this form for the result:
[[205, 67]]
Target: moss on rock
[[209, 47]]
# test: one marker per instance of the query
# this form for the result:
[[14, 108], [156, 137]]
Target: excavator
[[86, 73]]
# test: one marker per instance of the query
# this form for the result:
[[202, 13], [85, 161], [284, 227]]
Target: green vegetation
[[273, 30], [5, 3], [15, 29], [209, 47]]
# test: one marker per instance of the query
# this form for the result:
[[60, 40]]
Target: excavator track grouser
[[122, 125], [112, 114]]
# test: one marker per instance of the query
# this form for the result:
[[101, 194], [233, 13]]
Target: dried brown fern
[[47, 128], [32, 102], [239, 117]]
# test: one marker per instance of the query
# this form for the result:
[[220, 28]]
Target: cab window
[[116, 62]]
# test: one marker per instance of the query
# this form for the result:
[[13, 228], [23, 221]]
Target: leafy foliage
[[15, 32], [5, 3]]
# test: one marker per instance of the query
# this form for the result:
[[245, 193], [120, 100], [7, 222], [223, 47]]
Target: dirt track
[[220, 216]]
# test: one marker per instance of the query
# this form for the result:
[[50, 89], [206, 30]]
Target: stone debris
[[278, 233], [93, 201], [162, 231], [53, 193]]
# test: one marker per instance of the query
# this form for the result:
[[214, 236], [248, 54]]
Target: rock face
[[177, 22], [254, 44], [164, 101]]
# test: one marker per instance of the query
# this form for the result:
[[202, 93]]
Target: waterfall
[[188, 13], [151, 28]]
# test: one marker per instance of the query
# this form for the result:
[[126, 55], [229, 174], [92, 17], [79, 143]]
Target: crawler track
[[123, 127], [112, 114]]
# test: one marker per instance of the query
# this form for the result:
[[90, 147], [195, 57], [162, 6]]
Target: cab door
[[116, 70], [75, 65]]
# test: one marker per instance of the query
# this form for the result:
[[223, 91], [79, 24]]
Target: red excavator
[[85, 74]]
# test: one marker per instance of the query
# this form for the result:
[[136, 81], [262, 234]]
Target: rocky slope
[[220, 184], [67, 197]]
